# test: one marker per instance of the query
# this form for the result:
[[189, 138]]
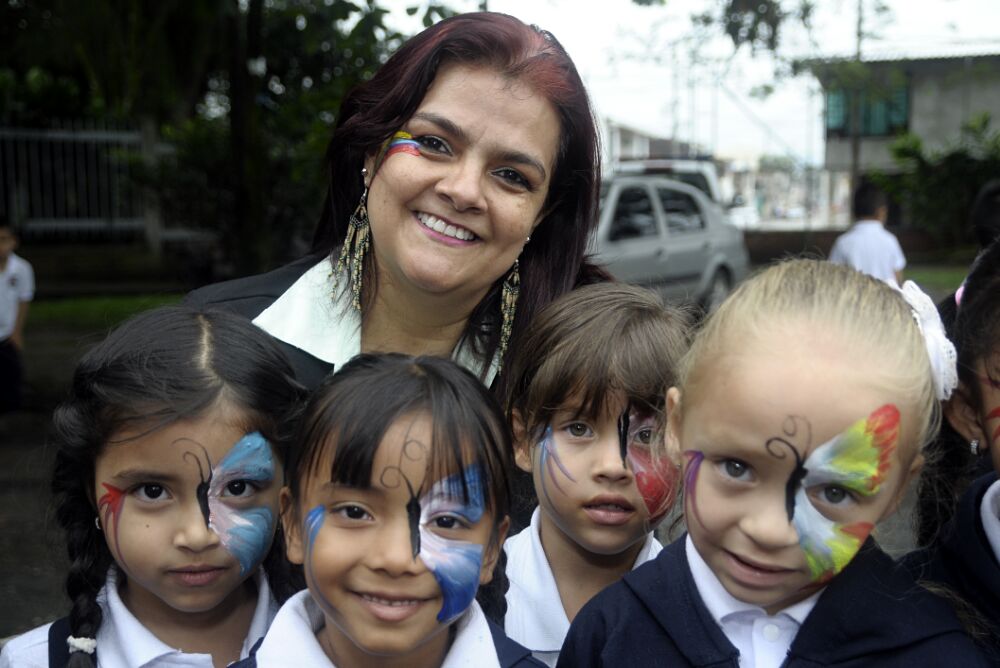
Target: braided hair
[[160, 367]]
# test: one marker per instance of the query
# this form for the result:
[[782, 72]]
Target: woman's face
[[451, 210]]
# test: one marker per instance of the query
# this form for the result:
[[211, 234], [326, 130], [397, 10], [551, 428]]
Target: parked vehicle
[[698, 172], [670, 237]]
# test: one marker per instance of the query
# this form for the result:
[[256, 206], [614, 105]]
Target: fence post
[[153, 223]]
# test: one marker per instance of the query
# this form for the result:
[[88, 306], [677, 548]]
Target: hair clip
[[85, 645], [940, 350]]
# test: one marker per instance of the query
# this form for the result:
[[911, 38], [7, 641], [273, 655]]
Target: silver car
[[668, 236]]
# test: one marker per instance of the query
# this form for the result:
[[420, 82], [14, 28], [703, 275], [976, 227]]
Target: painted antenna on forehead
[[201, 492], [623, 427]]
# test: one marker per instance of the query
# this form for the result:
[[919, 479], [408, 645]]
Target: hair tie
[[86, 645], [940, 350]]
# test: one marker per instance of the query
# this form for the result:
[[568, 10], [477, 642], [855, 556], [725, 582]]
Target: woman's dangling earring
[[974, 447], [508, 306], [356, 244]]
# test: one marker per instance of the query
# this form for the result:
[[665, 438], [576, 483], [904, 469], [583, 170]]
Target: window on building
[[882, 113]]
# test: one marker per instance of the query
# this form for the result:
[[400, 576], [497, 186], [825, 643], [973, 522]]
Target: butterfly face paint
[[110, 507], [245, 532], [854, 463], [455, 563], [549, 465], [655, 477]]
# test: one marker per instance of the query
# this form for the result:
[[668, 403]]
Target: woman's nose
[[462, 186]]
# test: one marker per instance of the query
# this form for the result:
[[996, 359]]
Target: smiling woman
[[463, 190]]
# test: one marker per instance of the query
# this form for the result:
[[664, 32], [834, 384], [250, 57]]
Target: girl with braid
[[169, 463]]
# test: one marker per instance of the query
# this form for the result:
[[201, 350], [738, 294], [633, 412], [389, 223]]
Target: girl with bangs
[[396, 508], [586, 402]]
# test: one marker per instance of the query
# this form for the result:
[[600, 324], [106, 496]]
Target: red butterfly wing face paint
[[657, 479]]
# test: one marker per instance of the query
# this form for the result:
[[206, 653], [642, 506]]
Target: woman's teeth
[[444, 228]]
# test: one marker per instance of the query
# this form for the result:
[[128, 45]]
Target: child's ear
[[961, 413], [292, 528], [492, 553], [672, 433], [916, 466], [522, 445]]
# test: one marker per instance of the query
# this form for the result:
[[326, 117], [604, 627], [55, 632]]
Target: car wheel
[[718, 290]]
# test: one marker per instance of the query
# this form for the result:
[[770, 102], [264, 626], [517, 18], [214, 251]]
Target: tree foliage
[[938, 187]]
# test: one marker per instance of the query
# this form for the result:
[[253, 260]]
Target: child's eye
[[239, 488], [150, 492], [448, 522], [433, 144], [578, 429], [351, 512], [835, 495], [643, 436], [513, 177], [735, 469]]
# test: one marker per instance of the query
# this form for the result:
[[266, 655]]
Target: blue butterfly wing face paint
[[455, 564], [245, 532]]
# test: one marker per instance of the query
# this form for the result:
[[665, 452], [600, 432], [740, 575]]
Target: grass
[[93, 313], [937, 279]]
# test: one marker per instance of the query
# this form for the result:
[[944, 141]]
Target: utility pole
[[855, 94]]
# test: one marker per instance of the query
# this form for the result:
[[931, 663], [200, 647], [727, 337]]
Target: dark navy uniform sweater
[[963, 560], [871, 614]]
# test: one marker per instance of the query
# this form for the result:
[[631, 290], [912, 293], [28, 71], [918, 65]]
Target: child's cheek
[[109, 508], [313, 523], [656, 481], [829, 546], [455, 565]]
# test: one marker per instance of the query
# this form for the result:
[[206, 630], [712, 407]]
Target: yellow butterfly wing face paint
[[853, 463]]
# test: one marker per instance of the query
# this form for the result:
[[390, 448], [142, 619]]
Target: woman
[[463, 189]]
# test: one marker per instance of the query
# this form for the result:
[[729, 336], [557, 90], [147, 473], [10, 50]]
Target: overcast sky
[[640, 69]]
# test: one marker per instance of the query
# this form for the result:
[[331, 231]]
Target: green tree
[[938, 187]]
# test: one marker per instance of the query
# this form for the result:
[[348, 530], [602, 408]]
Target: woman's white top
[[123, 642], [762, 640], [291, 642], [535, 616], [312, 318], [990, 512]]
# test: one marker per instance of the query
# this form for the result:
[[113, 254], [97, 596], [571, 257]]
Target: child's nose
[[193, 532], [767, 524], [608, 464], [392, 551]]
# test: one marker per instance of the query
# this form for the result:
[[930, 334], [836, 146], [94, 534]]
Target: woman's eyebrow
[[517, 157]]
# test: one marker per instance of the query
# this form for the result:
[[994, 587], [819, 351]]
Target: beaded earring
[[356, 244]]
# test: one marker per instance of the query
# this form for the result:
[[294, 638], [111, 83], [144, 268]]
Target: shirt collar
[[292, 640], [311, 317], [124, 641], [990, 512], [722, 605], [535, 616]]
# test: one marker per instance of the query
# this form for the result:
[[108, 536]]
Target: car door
[[630, 237], [687, 238]]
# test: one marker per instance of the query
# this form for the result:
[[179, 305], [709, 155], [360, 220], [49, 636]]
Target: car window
[[681, 211], [634, 217]]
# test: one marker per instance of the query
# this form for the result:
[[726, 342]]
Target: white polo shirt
[[17, 285], [291, 642], [535, 616], [871, 249], [761, 639], [123, 642], [309, 316], [990, 513]]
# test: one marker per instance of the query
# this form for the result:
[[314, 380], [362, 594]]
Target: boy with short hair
[[17, 288]]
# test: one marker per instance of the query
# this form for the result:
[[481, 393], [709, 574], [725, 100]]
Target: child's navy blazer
[[871, 614], [963, 560]]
